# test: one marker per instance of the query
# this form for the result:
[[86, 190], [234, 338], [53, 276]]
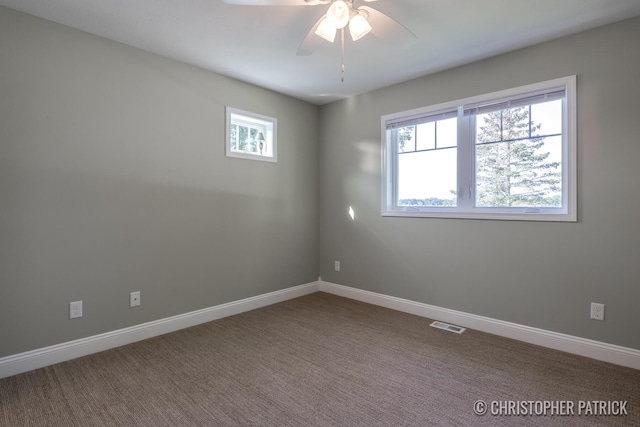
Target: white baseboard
[[584, 347], [23, 362]]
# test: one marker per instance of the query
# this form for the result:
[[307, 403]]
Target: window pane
[[489, 127], [547, 118], [427, 178], [515, 123], [253, 146], [243, 136], [503, 125], [426, 136], [447, 134], [234, 137], [407, 139]]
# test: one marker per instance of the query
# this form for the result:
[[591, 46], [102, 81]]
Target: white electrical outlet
[[134, 299], [597, 311], [75, 309], [337, 265]]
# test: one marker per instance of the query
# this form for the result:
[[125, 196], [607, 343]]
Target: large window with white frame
[[504, 155], [250, 135]]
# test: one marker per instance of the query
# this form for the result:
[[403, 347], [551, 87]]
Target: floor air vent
[[448, 327]]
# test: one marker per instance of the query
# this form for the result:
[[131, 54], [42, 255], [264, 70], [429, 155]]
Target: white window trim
[[270, 125], [465, 208]]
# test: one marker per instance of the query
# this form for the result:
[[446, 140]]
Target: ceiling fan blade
[[387, 28], [267, 2], [311, 42]]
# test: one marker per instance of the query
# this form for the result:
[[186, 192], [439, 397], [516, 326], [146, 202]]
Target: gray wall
[[113, 178], [539, 274]]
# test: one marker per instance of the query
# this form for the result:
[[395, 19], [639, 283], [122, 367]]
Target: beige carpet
[[319, 360]]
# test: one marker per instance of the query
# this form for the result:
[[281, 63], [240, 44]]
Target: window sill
[[516, 215]]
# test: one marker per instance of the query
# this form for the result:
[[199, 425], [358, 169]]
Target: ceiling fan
[[341, 14]]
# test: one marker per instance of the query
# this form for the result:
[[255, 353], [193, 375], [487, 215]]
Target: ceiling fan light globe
[[338, 14], [359, 27], [326, 30]]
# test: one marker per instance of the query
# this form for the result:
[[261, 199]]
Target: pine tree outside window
[[505, 155]]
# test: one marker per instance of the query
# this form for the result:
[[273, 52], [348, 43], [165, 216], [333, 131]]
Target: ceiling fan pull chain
[[342, 72]]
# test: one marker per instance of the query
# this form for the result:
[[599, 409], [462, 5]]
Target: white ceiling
[[258, 44]]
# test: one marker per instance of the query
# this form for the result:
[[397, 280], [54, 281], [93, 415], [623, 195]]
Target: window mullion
[[390, 162], [395, 166], [465, 163], [568, 156]]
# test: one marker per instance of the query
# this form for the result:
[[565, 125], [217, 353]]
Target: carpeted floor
[[318, 360]]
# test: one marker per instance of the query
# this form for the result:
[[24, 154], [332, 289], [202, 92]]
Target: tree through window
[[518, 163]]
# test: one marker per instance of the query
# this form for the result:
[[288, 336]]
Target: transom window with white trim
[[505, 155], [250, 135]]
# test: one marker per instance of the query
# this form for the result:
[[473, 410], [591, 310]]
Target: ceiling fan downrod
[[342, 69]]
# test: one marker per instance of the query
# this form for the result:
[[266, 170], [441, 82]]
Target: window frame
[[268, 125], [466, 184]]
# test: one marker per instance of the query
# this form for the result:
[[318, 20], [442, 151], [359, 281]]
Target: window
[[251, 136], [504, 155]]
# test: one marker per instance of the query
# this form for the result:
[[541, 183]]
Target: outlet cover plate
[[75, 309], [134, 299], [597, 311]]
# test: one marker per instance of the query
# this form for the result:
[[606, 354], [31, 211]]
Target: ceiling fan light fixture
[[359, 27], [326, 30], [338, 14]]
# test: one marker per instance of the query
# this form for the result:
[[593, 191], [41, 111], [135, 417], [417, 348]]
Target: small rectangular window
[[250, 135], [504, 155]]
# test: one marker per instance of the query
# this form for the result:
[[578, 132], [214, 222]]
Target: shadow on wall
[[67, 237]]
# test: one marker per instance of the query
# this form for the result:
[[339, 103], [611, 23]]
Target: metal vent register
[[448, 327]]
